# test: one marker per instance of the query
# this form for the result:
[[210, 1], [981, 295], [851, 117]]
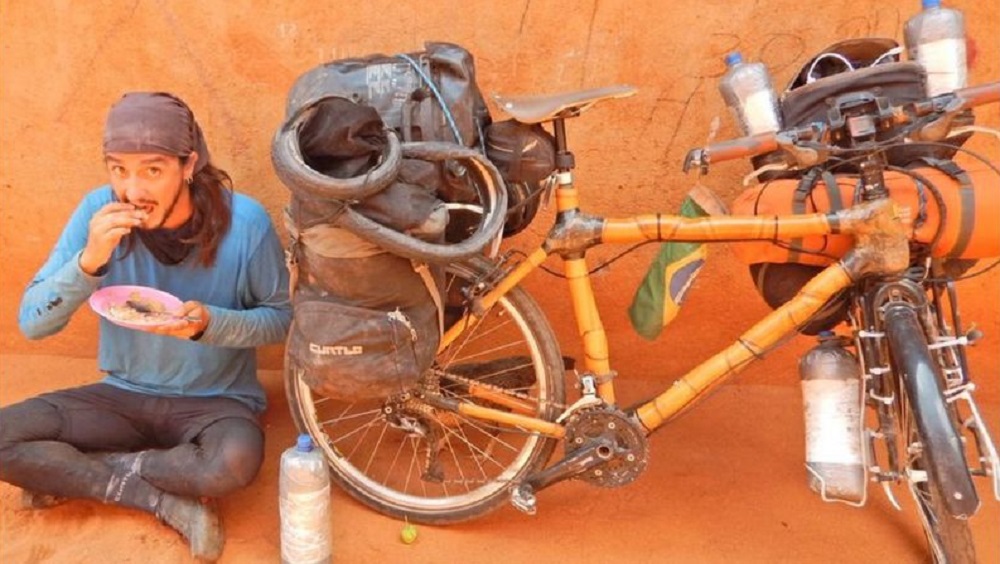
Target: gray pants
[[57, 444]]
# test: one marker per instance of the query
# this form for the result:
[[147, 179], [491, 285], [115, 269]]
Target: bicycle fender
[[942, 445]]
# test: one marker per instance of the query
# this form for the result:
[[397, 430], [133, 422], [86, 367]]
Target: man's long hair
[[211, 197]]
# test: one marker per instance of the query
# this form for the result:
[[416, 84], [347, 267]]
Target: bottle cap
[[826, 335], [304, 443], [734, 58], [931, 3]]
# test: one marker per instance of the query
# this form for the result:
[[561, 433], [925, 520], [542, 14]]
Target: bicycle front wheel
[[405, 458], [936, 465]]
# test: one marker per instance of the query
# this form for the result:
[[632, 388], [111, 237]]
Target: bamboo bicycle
[[481, 425]]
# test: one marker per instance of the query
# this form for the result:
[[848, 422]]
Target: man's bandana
[[154, 122]]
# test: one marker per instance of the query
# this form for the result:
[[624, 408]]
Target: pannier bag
[[525, 155], [367, 322], [522, 152], [430, 95], [356, 352]]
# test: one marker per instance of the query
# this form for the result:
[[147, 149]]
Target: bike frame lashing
[[882, 248]]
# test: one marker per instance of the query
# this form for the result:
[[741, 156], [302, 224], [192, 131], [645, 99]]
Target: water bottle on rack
[[831, 397], [935, 38], [304, 504], [746, 89]]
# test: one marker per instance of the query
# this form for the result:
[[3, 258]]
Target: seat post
[[564, 159]]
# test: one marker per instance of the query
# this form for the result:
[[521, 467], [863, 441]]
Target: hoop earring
[[189, 180]]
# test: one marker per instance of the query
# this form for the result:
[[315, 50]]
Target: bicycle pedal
[[523, 499]]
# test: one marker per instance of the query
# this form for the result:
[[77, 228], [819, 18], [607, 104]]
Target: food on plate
[[139, 309]]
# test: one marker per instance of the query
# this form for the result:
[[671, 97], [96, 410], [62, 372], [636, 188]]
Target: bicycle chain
[[418, 406], [499, 389]]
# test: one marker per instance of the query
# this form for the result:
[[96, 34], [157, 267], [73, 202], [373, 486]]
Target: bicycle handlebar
[[807, 146]]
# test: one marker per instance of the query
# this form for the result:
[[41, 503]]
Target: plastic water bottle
[[304, 504], [935, 38], [831, 394], [746, 89]]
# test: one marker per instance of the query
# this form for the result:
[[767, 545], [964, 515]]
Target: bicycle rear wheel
[[402, 457], [936, 465]]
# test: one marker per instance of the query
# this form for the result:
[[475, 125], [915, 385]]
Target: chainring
[[631, 449]]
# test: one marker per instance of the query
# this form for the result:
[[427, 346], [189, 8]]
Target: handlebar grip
[[979, 95], [743, 147]]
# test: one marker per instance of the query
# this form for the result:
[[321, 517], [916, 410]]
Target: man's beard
[[169, 211], [168, 245]]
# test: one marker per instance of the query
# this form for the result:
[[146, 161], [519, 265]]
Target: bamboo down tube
[[756, 341]]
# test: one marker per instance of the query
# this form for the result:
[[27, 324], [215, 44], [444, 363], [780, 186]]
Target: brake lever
[[790, 142], [696, 158], [938, 128], [739, 148], [944, 109]]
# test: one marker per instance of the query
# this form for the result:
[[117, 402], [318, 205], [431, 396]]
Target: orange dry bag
[[966, 226]]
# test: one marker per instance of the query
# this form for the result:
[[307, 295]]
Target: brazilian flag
[[658, 299]]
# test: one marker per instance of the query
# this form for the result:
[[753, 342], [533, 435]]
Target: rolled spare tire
[[490, 193], [290, 164]]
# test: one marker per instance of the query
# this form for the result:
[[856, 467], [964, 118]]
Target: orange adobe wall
[[63, 63]]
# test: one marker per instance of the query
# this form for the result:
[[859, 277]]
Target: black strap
[[967, 217], [833, 191], [805, 187]]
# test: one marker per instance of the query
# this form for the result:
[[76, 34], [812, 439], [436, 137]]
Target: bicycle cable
[[604, 264]]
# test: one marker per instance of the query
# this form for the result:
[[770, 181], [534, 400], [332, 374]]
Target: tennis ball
[[408, 534]]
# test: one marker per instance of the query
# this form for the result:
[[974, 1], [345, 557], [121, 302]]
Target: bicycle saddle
[[536, 109]]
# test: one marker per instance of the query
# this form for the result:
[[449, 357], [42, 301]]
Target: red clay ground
[[725, 483]]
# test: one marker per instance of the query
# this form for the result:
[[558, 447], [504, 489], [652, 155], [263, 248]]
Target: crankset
[[627, 450], [604, 447]]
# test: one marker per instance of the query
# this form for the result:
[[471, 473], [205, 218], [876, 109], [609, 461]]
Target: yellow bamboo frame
[[706, 376]]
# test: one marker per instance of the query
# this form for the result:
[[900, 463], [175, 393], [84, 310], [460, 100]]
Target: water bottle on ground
[[935, 38], [304, 504], [831, 394], [746, 89]]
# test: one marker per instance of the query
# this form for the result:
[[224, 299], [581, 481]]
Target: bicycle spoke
[[416, 452], [375, 448], [360, 442], [477, 450], [364, 428], [477, 426], [458, 465], [481, 377], [475, 334], [489, 351], [392, 465], [343, 417]]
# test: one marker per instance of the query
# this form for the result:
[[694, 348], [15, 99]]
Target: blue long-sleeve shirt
[[245, 292]]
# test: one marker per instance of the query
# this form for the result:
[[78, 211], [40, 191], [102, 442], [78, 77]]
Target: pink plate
[[106, 298]]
